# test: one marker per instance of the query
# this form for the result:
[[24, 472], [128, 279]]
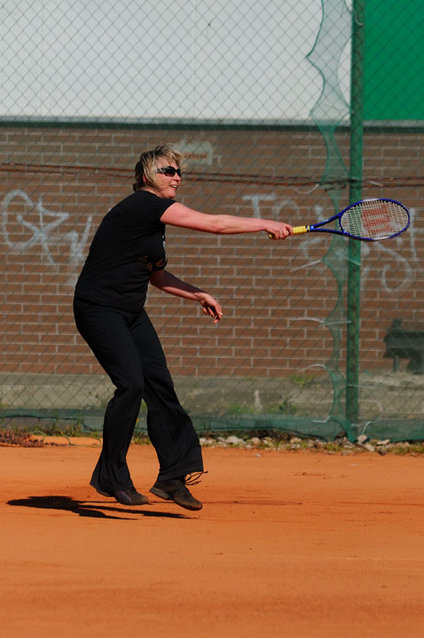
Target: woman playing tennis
[[126, 255]]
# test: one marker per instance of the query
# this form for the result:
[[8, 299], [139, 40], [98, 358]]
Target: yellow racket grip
[[298, 230]]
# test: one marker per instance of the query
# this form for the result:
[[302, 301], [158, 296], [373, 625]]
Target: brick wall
[[277, 296]]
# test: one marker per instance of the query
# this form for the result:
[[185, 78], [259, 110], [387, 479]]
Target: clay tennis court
[[295, 544]]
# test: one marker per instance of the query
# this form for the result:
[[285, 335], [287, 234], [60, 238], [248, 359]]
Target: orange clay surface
[[288, 544]]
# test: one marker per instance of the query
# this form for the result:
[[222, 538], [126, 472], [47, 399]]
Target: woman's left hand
[[210, 306]]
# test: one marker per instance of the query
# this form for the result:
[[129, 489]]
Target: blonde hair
[[145, 169]]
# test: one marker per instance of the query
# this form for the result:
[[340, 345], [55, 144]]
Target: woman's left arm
[[166, 281]]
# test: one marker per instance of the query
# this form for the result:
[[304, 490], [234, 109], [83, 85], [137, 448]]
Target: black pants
[[127, 347]]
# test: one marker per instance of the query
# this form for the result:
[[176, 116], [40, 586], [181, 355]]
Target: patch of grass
[[302, 380], [401, 449], [139, 438], [240, 409], [282, 407]]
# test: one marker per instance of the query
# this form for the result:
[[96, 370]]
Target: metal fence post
[[355, 193]]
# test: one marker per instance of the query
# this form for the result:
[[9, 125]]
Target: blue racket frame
[[318, 226]]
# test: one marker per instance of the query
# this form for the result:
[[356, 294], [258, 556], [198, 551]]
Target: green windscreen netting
[[288, 111]]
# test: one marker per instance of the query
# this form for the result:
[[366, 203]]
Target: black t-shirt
[[127, 246]]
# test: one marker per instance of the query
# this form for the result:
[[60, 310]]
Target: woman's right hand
[[278, 230]]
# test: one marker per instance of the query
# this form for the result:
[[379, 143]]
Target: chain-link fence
[[282, 109]]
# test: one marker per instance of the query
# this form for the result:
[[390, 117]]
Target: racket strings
[[375, 219]]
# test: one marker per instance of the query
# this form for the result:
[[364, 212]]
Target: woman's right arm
[[179, 215]]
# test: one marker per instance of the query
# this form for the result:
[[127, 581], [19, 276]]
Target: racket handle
[[298, 230]]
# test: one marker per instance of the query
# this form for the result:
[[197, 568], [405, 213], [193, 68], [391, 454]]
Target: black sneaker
[[176, 490], [127, 497]]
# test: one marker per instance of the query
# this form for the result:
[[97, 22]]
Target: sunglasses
[[169, 171]]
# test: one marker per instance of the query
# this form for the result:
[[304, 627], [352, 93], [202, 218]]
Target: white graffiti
[[40, 227], [255, 201], [395, 270]]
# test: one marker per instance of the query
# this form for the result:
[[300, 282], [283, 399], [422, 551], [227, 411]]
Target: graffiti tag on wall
[[41, 227]]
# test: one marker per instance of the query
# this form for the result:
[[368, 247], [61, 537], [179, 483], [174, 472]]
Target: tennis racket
[[367, 220]]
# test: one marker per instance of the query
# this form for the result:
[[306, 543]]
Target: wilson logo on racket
[[378, 221]]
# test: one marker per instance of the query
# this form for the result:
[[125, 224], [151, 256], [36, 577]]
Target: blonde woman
[[126, 255]]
